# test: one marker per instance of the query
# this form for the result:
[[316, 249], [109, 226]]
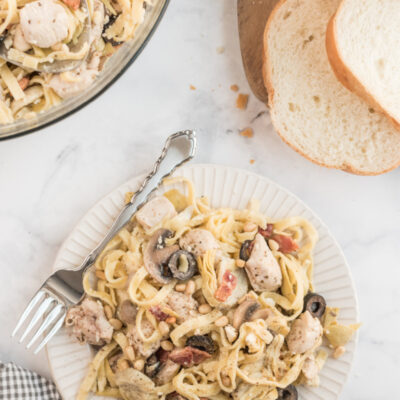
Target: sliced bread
[[310, 109], [363, 45]]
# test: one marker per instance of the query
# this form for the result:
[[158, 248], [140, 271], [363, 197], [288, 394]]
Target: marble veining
[[48, 180]]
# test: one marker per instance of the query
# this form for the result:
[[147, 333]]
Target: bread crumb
[[251, 161], [234, 88], [248, 132], [128, 197], [220, 49], [241, 101], [192, 87]]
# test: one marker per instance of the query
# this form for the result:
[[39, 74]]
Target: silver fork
[[64, 288]]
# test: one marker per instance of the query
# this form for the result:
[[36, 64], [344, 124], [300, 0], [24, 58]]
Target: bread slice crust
[[344, 73], [268, 82]]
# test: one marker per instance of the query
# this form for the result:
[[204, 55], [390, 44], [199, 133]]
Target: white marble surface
[[48, 180]]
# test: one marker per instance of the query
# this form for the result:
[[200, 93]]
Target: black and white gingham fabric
[[17, 383]]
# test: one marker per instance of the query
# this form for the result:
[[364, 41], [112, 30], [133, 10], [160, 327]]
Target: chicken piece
[[88, 323], [310, 371], [19, 41], [70, 83], [134, 385], [168, 370], [198, 241], [145, 349], [262, 268], [44, 23], [305, 333], [185, 306], [155, 211]]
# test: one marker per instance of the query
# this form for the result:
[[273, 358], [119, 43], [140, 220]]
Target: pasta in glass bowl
[[233, 313], [32, 100]]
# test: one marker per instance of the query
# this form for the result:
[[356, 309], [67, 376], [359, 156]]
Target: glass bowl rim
[[101, 91]]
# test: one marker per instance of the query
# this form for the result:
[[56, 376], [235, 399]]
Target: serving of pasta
[[41, 31], [194, 302]]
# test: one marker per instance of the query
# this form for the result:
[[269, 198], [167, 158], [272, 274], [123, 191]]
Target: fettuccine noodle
[[216, 334]]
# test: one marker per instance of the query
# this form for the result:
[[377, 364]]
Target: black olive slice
[[245, 250], [111, 20], [288, 393], [315, 304], [183, 265], [152, 366], [202, 342]]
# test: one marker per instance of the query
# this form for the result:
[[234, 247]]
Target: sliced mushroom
[[183, 265], [156, 256], [152, 366], [134, 385], [315, 304], [244, 312], [167, 371], [202, 342], [127, 312], [249, 310], [287, 393]]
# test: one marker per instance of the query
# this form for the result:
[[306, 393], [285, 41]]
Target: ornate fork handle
[[65, 287], [179, 148]]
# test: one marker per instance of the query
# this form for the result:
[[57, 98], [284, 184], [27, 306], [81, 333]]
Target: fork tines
[[50, 309]]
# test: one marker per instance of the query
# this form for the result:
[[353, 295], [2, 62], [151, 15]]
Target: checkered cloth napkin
[[17, 383]]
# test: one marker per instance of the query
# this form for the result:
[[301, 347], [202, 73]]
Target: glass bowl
[[112, 70]]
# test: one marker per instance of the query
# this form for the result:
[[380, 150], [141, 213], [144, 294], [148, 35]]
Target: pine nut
[[170, 320], [204, 309], [240, 263], [190, 288], [222, 321], [231, 333], [138, 364], [249, 227], [163, 327], [100, 274], [122, 364], [167, 345], [180, 287], [339, 351], [108, 311], [130, 352], [115, 323], [273, 245]]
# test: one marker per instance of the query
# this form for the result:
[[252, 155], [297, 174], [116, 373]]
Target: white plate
[[227, 187]]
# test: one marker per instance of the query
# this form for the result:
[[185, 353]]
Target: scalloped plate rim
[[134, 181]]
